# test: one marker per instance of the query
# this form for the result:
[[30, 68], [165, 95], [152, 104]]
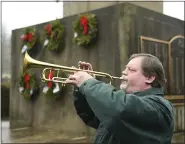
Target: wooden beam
[[174, 97], [178, 104]]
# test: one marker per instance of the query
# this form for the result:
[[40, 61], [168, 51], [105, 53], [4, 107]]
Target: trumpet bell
[[28, 62]]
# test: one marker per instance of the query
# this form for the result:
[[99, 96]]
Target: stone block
[[78, 7], [97, 5]]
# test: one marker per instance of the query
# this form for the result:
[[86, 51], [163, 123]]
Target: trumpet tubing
[[32, 63]]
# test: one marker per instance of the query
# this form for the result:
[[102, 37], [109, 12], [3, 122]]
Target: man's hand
[[85, 66], [78, 78]]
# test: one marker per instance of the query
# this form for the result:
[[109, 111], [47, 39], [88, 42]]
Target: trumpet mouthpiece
[[120, 78]]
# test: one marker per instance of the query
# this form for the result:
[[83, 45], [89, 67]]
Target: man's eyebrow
[[128, 66]]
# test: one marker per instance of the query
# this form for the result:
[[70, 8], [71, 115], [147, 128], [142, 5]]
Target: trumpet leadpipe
[[29, 62]]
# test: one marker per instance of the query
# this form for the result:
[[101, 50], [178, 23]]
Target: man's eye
[[132, 69]]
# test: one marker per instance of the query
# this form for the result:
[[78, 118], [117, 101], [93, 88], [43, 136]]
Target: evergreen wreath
[[54, 89], [54, 38], [28, 85], [29, 39], [84, 29]]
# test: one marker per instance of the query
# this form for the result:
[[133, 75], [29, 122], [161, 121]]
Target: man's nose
[[124, 72]]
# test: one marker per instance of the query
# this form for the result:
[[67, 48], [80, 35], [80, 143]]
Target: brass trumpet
[[32, 63]]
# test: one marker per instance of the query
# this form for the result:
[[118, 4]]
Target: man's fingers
[[81, 65], [72, 77], [68, 81], [89, 66], [84, 65]]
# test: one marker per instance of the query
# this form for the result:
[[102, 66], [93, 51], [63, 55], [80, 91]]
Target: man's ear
[[150, 79]]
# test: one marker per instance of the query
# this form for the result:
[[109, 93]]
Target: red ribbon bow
[[26, 80], [50, 76], [28, 37], [84, 23], [48, 29]]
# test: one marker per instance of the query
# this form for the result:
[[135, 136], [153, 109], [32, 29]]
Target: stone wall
[[72, 8], [45, 113]]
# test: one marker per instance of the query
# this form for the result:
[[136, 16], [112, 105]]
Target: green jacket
[[119, 118]]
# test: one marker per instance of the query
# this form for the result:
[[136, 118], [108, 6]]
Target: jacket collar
[[151, 91]]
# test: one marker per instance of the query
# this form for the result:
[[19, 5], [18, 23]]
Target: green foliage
[[26, 42], [57, 95], [81, 39], [33, 85], [54, 32]]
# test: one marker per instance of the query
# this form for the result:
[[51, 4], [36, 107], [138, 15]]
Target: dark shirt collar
[[151, 91]]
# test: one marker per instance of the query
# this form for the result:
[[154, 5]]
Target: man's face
[[133, 76]]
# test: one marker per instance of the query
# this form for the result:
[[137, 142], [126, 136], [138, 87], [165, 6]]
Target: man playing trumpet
[[135, 114]]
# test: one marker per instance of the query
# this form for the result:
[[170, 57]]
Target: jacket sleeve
[[107, 103], [83, 110]]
